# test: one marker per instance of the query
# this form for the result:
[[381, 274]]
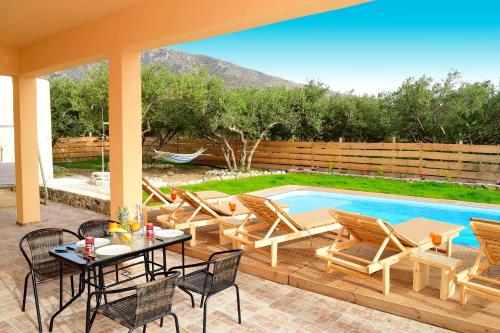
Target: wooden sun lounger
[[154, 194], [168, 205], [274, 225], [393, 243], [471, 281], [199, 213]]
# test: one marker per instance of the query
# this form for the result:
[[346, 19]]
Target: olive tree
[[244, 117], [171, 101], [65, 118], [90, 99]]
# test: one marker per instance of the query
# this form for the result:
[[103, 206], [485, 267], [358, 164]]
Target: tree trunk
[[231, 153], [243, 154], [250, 155], [224, 148], [165, 139], [226, 156], [256, 144], [146, 130], [145, 154]]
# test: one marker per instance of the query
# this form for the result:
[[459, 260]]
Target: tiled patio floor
[[266, 306]]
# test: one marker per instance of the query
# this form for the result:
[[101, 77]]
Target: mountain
[[178, 61]]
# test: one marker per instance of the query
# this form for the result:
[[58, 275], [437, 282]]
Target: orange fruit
[[135, 226]]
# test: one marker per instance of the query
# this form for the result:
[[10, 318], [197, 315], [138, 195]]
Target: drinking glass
[[232, 207]]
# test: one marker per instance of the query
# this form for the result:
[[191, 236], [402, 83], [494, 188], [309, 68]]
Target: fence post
[[341, 154], [311, 155], [459, 159], [365, 170], [420, 160], [393, 164]]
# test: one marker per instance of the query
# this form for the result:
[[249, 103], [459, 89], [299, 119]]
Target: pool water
[[391, 210]]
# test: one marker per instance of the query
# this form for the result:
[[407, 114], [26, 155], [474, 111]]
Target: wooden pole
[[459, 160], [393, 162]]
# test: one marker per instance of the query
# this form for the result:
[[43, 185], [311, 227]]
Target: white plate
[[112, 250], [168, 233], [98, 242]]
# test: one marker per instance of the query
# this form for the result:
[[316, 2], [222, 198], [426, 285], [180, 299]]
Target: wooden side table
[[421, 263]]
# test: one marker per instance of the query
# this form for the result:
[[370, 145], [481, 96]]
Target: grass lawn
[[424, 189], [94, 164]]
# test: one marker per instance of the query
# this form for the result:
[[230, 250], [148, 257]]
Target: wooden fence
[[446, 161], [77, 149]]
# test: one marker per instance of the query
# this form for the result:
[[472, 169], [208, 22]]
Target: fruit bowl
[[124, 237]]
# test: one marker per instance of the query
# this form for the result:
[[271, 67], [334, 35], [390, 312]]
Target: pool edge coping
[[288, 188]]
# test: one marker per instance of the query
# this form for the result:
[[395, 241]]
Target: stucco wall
[[6, 121], [43, 120]]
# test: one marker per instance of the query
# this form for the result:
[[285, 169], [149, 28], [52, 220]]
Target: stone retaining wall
[[78, 200]]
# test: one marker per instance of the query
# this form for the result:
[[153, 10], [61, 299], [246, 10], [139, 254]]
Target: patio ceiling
[[38, 37], [31, 20]]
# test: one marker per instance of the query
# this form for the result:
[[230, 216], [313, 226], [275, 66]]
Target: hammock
[[177, 158]]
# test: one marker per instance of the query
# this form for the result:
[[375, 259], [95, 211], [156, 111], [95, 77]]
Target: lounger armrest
[[462, 276]]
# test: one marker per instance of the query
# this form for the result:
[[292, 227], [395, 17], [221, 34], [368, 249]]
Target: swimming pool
[[390, 210]]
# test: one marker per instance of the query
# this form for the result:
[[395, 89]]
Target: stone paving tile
[[266, 306]]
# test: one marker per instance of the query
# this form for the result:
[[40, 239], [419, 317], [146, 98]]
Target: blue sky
[[372, 47]]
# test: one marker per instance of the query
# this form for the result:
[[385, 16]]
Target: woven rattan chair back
[[225, 270], [43, 266], [39, 243], [154, 299], [94, 228]]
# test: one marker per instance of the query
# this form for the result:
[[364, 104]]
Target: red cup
[[89, 245], [150, 230]]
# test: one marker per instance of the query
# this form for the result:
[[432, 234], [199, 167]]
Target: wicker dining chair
[[151, 301], [42, 266], [94, 228], [218, 273]]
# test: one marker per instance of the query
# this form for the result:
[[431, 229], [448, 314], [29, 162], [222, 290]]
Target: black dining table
[[92, 266]]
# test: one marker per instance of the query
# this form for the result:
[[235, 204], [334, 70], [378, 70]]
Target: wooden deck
[[298, 267]]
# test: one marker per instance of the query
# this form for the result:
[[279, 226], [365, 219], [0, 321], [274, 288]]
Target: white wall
[[44, 127], [6, 121], [43, 123]]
